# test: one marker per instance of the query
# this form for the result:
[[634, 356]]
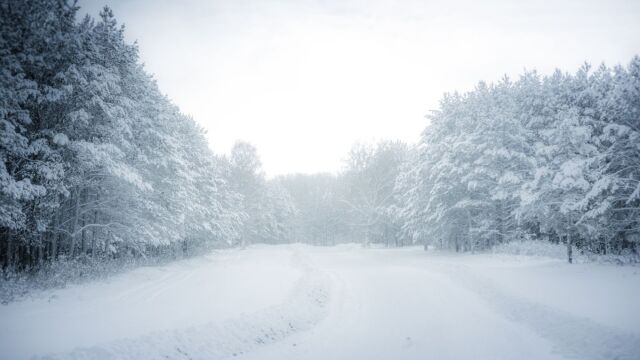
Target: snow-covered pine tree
[[95, 160]]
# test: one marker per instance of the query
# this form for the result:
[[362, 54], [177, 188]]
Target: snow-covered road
[[300, 302]]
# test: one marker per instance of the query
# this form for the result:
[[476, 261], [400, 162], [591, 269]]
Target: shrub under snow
[[559, 251]]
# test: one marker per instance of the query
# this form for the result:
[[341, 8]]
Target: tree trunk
[[569, 249], [41, 245], [107, 244], [456, 244], [10, 251], [93, 231], [93, 243], [76, 216], [84, 223], [54, 247], [83, 242]]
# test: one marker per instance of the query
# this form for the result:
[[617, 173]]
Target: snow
[[530, 247], [187, 293], [344, 302], [60, 139]]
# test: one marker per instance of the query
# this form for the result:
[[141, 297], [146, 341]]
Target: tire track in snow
[[180, 270], [306, 306], [572, 336], [149, 289]]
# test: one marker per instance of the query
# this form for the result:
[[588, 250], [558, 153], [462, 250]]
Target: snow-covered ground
[[345, 302]]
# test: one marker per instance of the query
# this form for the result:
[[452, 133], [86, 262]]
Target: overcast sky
[[304, 80]]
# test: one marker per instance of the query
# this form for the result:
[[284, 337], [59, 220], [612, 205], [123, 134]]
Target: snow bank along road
[[300, 302]]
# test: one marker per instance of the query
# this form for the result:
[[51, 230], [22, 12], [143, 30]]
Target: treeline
[[97, 164], [546, 157], [95, 161]]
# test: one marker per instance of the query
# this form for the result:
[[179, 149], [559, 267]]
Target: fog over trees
[[98, 165], [510, 228]]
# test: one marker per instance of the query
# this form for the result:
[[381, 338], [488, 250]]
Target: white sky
[[304, 80]]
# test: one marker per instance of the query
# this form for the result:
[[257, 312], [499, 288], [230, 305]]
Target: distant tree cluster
[[554, 157], [267, 207], [358, 204], [319, 217]]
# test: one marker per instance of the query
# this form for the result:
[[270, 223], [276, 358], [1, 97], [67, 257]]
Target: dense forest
[[96, 163], [553, 158]]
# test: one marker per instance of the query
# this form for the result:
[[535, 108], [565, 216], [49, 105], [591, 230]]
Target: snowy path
[[298, 302], [405, 304]]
